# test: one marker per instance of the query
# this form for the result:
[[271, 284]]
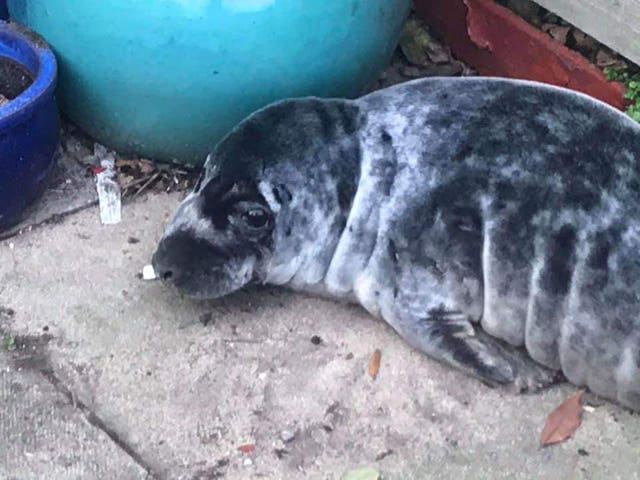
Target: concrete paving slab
[[183, 398], [44, 436]]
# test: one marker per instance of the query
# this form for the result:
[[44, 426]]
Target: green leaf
[[10, 342], [611, 73], [365, 473]]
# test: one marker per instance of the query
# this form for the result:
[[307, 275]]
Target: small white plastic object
[[109, 194], [148, 273]]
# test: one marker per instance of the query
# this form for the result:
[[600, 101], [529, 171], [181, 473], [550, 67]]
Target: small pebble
[[206, 318], [383, 455], [247, 462], [287, 436], [280, 452], [316, 340], [148, 273]]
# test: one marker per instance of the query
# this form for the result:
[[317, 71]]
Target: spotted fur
[[494, 224]]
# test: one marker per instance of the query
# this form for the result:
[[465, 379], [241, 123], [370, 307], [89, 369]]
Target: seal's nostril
[[167, 275]]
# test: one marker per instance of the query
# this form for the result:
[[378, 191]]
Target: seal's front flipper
[[450, 338]]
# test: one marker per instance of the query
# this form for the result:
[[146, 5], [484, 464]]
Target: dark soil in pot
[[14, 79]]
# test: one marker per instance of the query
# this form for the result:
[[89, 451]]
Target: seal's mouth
[[198, 270], [200, 286], [215, 284]]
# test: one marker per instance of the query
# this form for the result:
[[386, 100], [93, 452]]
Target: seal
[[493, 223]]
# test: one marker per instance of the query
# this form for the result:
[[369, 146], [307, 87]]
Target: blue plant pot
[[29, 125], [167, 79]]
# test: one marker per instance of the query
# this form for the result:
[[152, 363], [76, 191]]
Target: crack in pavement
[[27, 354], [100, 424], [25, 227]]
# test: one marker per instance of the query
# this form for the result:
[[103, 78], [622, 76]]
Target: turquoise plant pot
[[167, 79]]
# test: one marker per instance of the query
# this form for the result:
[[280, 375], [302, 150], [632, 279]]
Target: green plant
[[632, 82], [10, 342]]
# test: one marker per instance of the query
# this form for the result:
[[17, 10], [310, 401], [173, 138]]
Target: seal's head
[[270, 203], [221, 237], [218, 241]]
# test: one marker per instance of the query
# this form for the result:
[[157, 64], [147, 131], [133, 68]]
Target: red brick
[[496, 42]]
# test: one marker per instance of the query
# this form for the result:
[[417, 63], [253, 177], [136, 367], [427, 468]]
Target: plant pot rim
[[18, 42]]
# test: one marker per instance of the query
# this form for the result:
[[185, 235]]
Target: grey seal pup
[[493, 223]]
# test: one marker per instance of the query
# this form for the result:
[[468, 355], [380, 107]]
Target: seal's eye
[[256, 218]]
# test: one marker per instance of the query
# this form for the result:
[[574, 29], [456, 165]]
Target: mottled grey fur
[[494, 224]]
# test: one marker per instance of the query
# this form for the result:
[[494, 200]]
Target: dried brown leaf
[[558, 32], [605, 59], [374, 363], [526, 9], [438, 54], [124, 180], [583, 40], [146, 166], [126, 162], [563, 421]]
